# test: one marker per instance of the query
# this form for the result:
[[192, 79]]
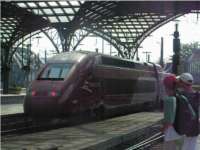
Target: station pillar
[[161, 53], [176, 50]]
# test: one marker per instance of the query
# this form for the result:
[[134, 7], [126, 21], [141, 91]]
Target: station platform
[[12, 103], [11, 109], [12, 98], [101, 135]]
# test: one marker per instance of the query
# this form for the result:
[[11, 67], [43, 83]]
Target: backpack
[[187, 120]]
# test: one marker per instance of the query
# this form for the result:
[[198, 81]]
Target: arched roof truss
[[125, 24]]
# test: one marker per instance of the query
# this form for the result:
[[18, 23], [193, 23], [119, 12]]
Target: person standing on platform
[[170, 135], [187, 113]]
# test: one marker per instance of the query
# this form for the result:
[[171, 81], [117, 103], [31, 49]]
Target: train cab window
[[55, 72]]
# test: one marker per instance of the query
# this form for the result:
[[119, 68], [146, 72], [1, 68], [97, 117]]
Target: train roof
[[76, 56], [71, 57]]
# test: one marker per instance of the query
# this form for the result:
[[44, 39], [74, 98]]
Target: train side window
[[117, 62]]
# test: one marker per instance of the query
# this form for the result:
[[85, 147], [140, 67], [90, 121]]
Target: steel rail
[[147, 143]]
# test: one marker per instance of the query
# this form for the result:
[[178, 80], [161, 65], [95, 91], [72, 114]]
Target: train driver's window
[[55, 71]]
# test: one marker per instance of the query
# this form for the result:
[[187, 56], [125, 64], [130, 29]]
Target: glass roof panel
[[114, 34], [125, 30], [145, 26], [23, 5], [5, 35], [74, 3], [76, 9], [52, 9], [63, 19], [7, 31], [156, 19], [42, 4], [58, 11], [44, 17], [12, 24], [31, 4], [53, 19], [140, 30], [48, 11], [123, 39], [52, 3], [162, 16], [3, 40], [154, 16], [132, 30], [150, 22], [147, 17], [143, 23], [140, 19], [63, 3], [38, 12], [71, 17], [69, 10]]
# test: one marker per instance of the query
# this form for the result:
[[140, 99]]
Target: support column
[[66, 37], [5, 70], [176, 49], [161, 53]]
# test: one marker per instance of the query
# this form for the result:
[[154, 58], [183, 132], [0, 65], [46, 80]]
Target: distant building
[[193, 65], [23, 69]]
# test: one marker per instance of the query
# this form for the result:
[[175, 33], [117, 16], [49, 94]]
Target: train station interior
[[114, 53]]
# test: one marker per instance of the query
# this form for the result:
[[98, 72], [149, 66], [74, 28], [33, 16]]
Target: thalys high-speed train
[[75, 82]]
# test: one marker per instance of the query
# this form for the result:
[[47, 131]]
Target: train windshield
[[55, 72]]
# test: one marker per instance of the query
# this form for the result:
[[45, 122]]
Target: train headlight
[[54, 93], [33, 93]]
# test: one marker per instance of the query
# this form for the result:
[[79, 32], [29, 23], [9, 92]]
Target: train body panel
[[79, 81]]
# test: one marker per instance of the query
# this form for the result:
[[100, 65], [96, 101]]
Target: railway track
[[21, 124], [152, 143], [13, 123]]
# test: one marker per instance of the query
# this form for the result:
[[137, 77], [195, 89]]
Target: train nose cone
[[41, 106]]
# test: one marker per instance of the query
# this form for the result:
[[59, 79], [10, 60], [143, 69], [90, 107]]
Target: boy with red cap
[[171, 135]]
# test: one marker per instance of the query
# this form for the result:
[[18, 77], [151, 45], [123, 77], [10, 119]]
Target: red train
[[74, 82]]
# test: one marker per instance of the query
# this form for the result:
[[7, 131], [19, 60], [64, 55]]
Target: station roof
[[125, 24]]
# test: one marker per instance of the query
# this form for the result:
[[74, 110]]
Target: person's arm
[[169, 111]]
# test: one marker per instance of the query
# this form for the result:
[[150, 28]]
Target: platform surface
[[94, 136], [11, 109]]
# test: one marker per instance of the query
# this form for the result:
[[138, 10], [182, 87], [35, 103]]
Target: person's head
[[185, 81], [170, 84]]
